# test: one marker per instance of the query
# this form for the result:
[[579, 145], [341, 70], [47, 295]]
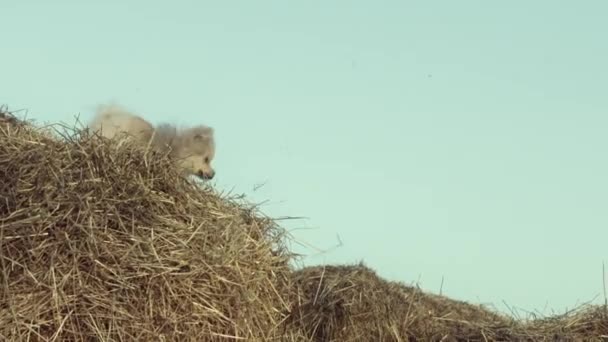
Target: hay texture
[[351, 303], [585, 323], [101, 240]]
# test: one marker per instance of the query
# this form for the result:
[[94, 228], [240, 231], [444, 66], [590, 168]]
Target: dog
[[193, 148]]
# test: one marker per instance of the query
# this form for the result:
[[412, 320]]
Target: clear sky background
[[455, 141]]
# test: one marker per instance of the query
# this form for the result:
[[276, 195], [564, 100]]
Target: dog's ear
[[203, 134]]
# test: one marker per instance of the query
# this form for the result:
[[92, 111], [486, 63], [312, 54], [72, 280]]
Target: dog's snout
[[205, 175]]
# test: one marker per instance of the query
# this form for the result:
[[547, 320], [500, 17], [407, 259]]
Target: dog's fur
[[193, 148]]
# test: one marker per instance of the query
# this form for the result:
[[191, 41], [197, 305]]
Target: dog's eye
[[207, 160]]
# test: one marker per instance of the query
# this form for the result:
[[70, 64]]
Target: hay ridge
[[104, 240], [352, 303], [101, 240]]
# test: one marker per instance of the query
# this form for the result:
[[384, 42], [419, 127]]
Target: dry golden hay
[[351, 303], [587, 323], [103, 241]]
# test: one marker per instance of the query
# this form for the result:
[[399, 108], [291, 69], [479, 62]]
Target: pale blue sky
[[463, 140]]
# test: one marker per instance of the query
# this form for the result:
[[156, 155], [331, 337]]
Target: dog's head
[[195, 149]]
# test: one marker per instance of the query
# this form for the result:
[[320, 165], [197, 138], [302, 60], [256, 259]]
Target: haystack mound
[[101, 240], [587, 323], [351, 303]]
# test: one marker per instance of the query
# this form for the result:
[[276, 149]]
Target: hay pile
[[586, 323], [103, 241], [351, 303], [100, 240]]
